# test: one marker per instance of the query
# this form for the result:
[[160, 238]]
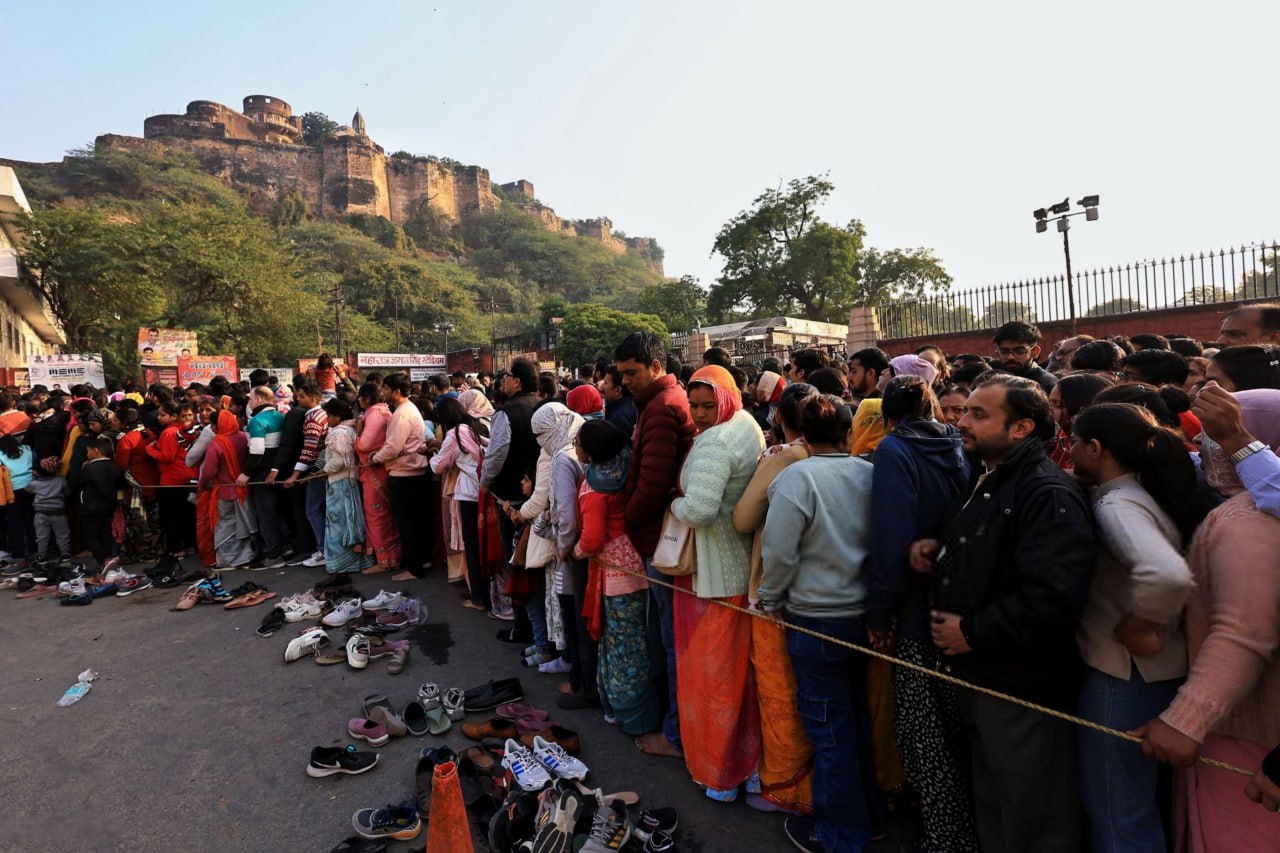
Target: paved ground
[[196, 735]]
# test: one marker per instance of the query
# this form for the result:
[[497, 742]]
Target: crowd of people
[[1096, 534]]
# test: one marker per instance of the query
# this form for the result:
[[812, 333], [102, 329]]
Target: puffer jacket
[[663, 434]]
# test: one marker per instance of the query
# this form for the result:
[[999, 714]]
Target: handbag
[[675, 555]]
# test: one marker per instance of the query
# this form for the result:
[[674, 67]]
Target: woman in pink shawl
[[1227, 707], [383, 539]]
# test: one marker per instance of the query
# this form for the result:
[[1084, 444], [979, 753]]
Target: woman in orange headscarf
[[719, 716], [223, 462]]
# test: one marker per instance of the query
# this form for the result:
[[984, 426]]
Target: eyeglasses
[[1020, 352]]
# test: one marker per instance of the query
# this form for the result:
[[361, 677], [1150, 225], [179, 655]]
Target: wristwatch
[[1247, 451]]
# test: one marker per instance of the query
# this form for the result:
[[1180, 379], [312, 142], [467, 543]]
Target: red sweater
[[171, 459], [131, 455], [663, 434], [603, 519]]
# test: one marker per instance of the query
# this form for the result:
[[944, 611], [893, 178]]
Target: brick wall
[[1201, 322]]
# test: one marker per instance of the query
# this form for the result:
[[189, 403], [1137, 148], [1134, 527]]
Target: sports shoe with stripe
[[560, 763], [527, 771], [610, 829]]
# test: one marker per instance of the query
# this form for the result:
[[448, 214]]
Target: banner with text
[[283, 374], [62, 370], [431, 361], [204, 368], [165, 346], [160, 374]]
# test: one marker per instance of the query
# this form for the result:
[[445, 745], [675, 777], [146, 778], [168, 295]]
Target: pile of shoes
[[69, 581]]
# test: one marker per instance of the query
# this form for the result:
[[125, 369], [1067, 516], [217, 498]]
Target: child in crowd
[[101, 483], [49, 495], [326, 376]]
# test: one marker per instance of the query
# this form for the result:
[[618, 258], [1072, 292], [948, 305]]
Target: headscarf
[[868, 427], [609, 477], [914, 365], [226, 425], [555, 427], [727, 393], [98, 416], [476, 403], [49, 464], [1260, 413], [769, 387], [586, 401]]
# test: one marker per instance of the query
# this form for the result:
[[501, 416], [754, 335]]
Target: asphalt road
[[196, 734]]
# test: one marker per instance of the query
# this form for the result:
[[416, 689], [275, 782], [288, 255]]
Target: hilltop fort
[[263, 150]]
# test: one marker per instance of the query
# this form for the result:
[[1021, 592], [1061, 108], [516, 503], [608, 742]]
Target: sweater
[[815, 538], [714, 476], [172, 462], [1140, 570], [461, 451], [100, 483], [315, 426], [401, 454], [131, 455], [664, 431], [264, 432], [749, 514], [20, 468], [49, 494], [622, 413], [604, 529], [214, 471], [1233, 628]]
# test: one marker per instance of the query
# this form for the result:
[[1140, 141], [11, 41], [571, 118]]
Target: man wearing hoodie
[[919, 483]]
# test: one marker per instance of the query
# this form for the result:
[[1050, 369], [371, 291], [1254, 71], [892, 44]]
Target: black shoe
[[326, 761], [656, 820], [660, 842], [577, 701], [509, 635], [501, 683], [493, 694], [803, 834], [272, 622], [422, 777]]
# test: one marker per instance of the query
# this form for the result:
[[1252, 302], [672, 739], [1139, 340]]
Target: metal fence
[[1206, 278]]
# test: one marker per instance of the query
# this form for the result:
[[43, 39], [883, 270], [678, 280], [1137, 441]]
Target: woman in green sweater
[[719, 716]]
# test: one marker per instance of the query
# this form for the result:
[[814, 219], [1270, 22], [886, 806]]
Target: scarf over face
[[769, 387], [1260, 412], [727, 394], [554, 426], [225, 426], [476, 403]]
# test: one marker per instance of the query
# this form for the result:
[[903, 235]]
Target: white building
[[27, 328]]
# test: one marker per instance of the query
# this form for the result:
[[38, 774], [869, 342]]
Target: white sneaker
[[383, 600], [358, 651], [75, 586], [429, 695], [455, 701], [302, 612], [114, 576], [306, 644], [525, 768], [553, 757], [343, 613], [316, 559]]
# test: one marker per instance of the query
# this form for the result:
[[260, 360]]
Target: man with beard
[[1018, 347], [866, 366]]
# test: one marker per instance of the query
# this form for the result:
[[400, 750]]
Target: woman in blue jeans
[[1145, 508], [814, 547]]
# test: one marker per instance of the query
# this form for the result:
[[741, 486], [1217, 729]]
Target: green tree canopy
[[590, 331], [782, 258], [317, 127], [681, 303], [1001, 311], [1118, 305]]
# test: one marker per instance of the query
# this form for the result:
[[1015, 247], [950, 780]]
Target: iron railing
[[1207, 278]]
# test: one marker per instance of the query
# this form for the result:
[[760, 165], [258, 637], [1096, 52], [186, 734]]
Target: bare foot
[[565, 689], [656, 743], [375, 570], [404, 576]]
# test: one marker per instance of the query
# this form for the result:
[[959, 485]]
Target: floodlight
[[1041, 226], [1088, 201], [1062, 206], [1091, 213], [1040, 214], [1064, 224]]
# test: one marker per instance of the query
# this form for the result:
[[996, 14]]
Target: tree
[[781, 258], [317, 127], [591, 330], [681, 303], [1002, 311], [1118, 305], [292, 210]]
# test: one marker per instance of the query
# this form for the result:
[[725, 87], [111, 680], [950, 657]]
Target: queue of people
[[1095, 535]]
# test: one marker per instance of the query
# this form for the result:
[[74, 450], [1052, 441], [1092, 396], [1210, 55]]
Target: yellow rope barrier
[[951, 679]]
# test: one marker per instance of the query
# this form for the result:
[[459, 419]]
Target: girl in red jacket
[[177, 512], [617, 572]]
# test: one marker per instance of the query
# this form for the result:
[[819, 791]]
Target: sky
[[941, 124]]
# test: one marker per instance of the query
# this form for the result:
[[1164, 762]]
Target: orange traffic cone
[[448, 830]]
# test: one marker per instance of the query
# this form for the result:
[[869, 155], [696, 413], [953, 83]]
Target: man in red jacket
[[662, 437]]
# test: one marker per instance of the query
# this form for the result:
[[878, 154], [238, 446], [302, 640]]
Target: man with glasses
[[1017, 347], [1065, 349]]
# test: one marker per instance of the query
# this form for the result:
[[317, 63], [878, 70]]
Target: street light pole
[[1061, 212], [1065, 227]]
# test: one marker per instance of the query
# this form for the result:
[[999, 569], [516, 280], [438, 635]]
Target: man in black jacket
[[1012, 574]]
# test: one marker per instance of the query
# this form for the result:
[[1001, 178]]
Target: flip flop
[[37, 591], [190, 598], [628, 798], [373, 701], [483, 759], [516, 710]]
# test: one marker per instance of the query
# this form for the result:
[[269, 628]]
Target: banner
[[433, 361], [284, 374], [160, 374], [62, 370], [304, 364], [204, 368], [165, 346]]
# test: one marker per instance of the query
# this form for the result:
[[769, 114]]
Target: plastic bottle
[[77, 691]]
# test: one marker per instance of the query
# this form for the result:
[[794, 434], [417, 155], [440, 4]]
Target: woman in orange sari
[[719, 716], [383, 539]]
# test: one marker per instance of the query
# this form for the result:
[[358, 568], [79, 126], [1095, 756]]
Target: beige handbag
[[676, 554]]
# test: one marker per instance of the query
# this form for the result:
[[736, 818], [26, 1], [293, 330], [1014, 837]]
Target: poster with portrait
[[160, 374], [204, 368], [62, 370], [165, 346]]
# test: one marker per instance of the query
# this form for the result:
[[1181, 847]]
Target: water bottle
[[77, 691]]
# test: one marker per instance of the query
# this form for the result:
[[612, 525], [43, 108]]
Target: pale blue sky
[[941, 124]]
